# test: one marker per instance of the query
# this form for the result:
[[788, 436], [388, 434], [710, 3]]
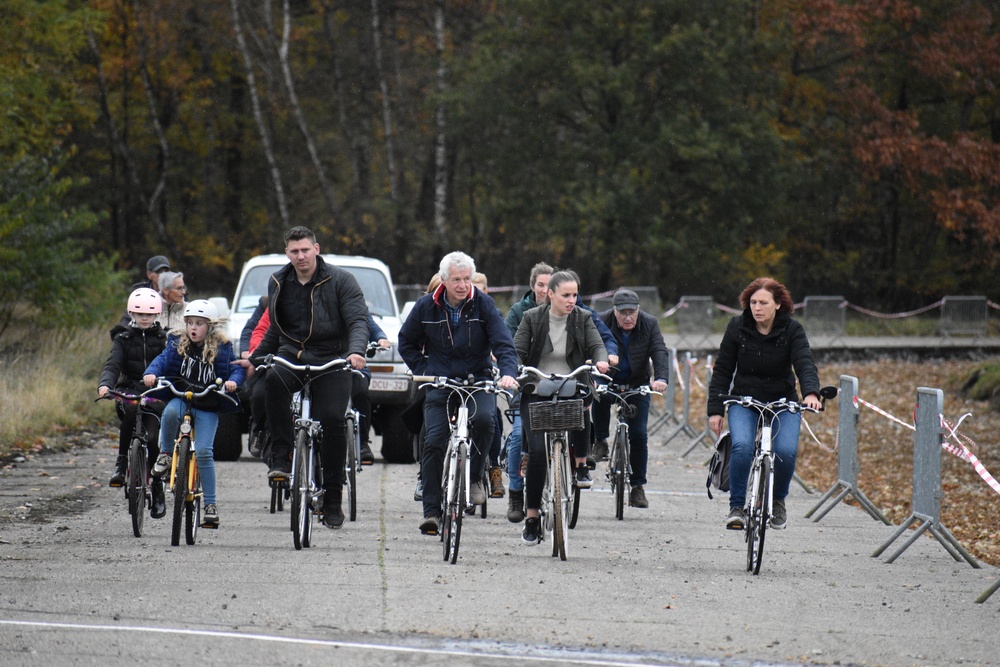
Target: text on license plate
[[387, 384]]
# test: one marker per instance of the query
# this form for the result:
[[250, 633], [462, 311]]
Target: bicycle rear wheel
[[560, 494], [137, 487], [757, 517], [300, 491], [192, 508], [351, 468], [619, 466], [181, 453]]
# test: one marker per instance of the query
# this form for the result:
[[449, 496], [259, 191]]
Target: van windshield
[[377, 291]]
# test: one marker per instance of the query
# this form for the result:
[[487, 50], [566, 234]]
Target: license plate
[[388, 384]]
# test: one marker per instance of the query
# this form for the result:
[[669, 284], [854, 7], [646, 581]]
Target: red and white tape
[[964, 453]]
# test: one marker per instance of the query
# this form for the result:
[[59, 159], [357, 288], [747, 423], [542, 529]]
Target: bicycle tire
[[351, 469], [458, 506], [559, 518], [137, 485], [181, 453], [192, 509], [574, 505], [757, 518], [486, 485], [447, 493], [620, 466], [300, 491]]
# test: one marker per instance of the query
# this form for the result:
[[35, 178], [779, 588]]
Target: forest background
[[845, 148]]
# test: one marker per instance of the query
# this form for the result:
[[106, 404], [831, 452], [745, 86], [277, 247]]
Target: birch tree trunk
[[265, 136], [440, 149], [387, 123], [293, 98]]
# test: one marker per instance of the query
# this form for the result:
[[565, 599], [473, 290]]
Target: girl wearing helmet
[[134, 346], [198, 354]]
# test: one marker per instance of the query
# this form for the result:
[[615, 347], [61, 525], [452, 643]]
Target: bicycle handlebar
[[217, 387], [470, 385], [622, 392], [332, 365], [780, 405], [128, 398], [528, 371]]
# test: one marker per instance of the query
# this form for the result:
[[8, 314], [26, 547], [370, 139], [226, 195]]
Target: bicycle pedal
[[210, 526]]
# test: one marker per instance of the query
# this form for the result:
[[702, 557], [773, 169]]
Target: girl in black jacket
[[759, 351]]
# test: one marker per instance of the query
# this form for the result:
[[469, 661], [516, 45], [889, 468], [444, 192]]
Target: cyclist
[[134, 347], [198, 355], [759, 351], [318, 313], [556, 337], [639, 341], [452, 332]]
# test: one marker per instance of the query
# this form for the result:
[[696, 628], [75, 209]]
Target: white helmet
[[145, 300], [202, 308]]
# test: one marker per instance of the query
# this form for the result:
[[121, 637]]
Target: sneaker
[[429, 525], [333, 516], [477, 494], [583, 479], [158, 506], [601, 450], [496, 483], [779, 516], [367, 458], [210, 519], [280, 470], [418, 493], [591, 462], [515, 506], [532, 533], [737, 519], [637, 497], [162, 465], [118, 476], [255, 443]]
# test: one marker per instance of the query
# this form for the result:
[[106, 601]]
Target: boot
[[515, 506], [159, 504], [496, 483], [118, 476]]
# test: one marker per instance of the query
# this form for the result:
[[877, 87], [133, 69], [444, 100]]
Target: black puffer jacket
[[761, 366], [339, 322], [132, 351]]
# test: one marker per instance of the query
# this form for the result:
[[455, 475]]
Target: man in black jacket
[[318, 313], [639, 340]]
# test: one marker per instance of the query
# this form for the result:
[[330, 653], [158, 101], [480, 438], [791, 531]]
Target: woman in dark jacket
[[557, 337], [759, 351]]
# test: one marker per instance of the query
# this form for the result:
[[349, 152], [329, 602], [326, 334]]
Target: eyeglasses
[[180, 289], [628, 314]]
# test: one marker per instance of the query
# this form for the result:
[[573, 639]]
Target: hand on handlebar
[[658, 385], [602, 367], [507, 382], [357, 361], [149, 380], [812, 401]]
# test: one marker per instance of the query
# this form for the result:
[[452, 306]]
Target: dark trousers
[[362, 402], [534, 444], [128, 413], [330, 395]]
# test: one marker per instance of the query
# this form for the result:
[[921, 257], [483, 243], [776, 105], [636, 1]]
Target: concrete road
[[666, 586]]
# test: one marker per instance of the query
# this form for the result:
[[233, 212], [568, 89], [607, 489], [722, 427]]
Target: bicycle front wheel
[[351, 469], [301, 518], [182, 451], [757, 517], [560, 493], [619, 466], [192, 508], [137, 487], [456, 507]]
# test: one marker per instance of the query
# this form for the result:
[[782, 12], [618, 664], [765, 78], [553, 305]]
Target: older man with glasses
[[639, 340], [174, 293]]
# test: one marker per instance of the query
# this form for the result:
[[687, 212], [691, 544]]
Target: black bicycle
[[619, 466]]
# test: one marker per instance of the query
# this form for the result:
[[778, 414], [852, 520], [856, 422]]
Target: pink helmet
[[145, 300]]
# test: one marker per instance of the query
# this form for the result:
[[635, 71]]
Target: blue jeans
[[205, 425], [785, 443], [637, 433], [516, 482]]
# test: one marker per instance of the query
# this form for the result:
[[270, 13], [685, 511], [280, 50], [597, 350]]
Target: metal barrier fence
[[694, 319], [824, 317], [963, 315]]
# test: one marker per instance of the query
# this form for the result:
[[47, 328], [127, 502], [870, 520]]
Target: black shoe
[[210, 519], [430, 524], [367, 458], [532, 533], [159, 504], [255, 443], [333, 516], [583, 480], [280, 470], [637, 497], [601, 450], [591, 462], [118, 476]]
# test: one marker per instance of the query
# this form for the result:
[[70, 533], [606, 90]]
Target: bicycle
[[353, 464], [305, 486], [760, 481], [619, 467], [556, 417], [455, 477], [137, 476], [185, 482]]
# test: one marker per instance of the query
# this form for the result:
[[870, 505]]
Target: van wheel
[[229, 437], [397, 441]]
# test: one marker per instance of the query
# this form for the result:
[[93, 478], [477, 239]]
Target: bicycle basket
[[558, 416]]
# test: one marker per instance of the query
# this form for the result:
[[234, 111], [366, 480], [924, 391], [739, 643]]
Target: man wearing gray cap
[[639, 340], [154, 267]]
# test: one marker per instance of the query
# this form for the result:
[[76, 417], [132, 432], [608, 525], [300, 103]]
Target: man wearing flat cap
[[639, 341], [154, 267]]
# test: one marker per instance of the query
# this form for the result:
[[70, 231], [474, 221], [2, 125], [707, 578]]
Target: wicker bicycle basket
[[558, 416]]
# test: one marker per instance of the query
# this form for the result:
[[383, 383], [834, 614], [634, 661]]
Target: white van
[[391, 387]]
